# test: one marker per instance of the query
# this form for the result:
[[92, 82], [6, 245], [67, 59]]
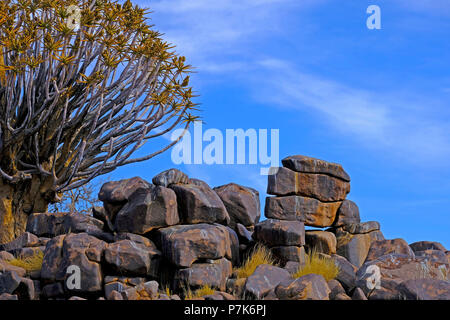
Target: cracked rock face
[[319, 186], [198, 203], [311, 211], [397, 268], [213, 274], [131, 258], [264, 279], [280, 233], [311, 165], [242, 204], [80, 250], [182, 245], [147, 209]]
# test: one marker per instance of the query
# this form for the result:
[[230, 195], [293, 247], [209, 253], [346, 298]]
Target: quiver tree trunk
[[17, 201]]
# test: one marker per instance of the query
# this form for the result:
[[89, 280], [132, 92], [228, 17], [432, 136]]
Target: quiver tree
[[80, 91]]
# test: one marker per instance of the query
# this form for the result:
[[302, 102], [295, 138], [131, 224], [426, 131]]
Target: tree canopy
[[83, 85]]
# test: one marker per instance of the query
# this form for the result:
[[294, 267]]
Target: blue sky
[[376, 101]]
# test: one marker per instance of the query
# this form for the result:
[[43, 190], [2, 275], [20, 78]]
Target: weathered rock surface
[[289, 253], [169, 177], [425, 289], [354, 247], [308, 287], [55, 224], [9, 282], [321, 241], [348, 213], [118, 192], [347, 272], [199, 204], [311, 165], [242, 204], [336, 289], [396, 268], [358, 294], [427, 245], [319, 186], [213, 274], [130, 258], [81, 250], [147, 209], [244, 235], [383, 247], [280, 233], [264, 279], [308, 210], [434, 255], [115, 194], [361, 228], [24, 240], [184, 244]]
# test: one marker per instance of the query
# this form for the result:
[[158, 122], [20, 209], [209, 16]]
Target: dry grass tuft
[[259, 255], [33, 263], [204, 291], [318, 265], [201, 292]]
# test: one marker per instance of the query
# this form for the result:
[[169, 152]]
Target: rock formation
[[168, 238]]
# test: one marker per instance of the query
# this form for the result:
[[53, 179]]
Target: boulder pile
[[168, 238]]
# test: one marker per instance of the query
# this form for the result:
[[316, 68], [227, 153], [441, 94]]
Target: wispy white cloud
[[381, 119], [206, 30], [219, 37]]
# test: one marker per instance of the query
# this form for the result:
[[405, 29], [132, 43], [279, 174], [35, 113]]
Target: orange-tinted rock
[[321, 241], [308, 210], [280, 233], [312, 165], [319, 186], [242, 204]]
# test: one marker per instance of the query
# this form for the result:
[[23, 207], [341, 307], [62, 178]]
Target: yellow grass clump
[[204, 291], [33, 263], [318, 265], [259, 255]]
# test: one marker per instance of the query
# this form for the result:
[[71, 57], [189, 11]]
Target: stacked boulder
[[307, 192], [175, 230], [161, 240]]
